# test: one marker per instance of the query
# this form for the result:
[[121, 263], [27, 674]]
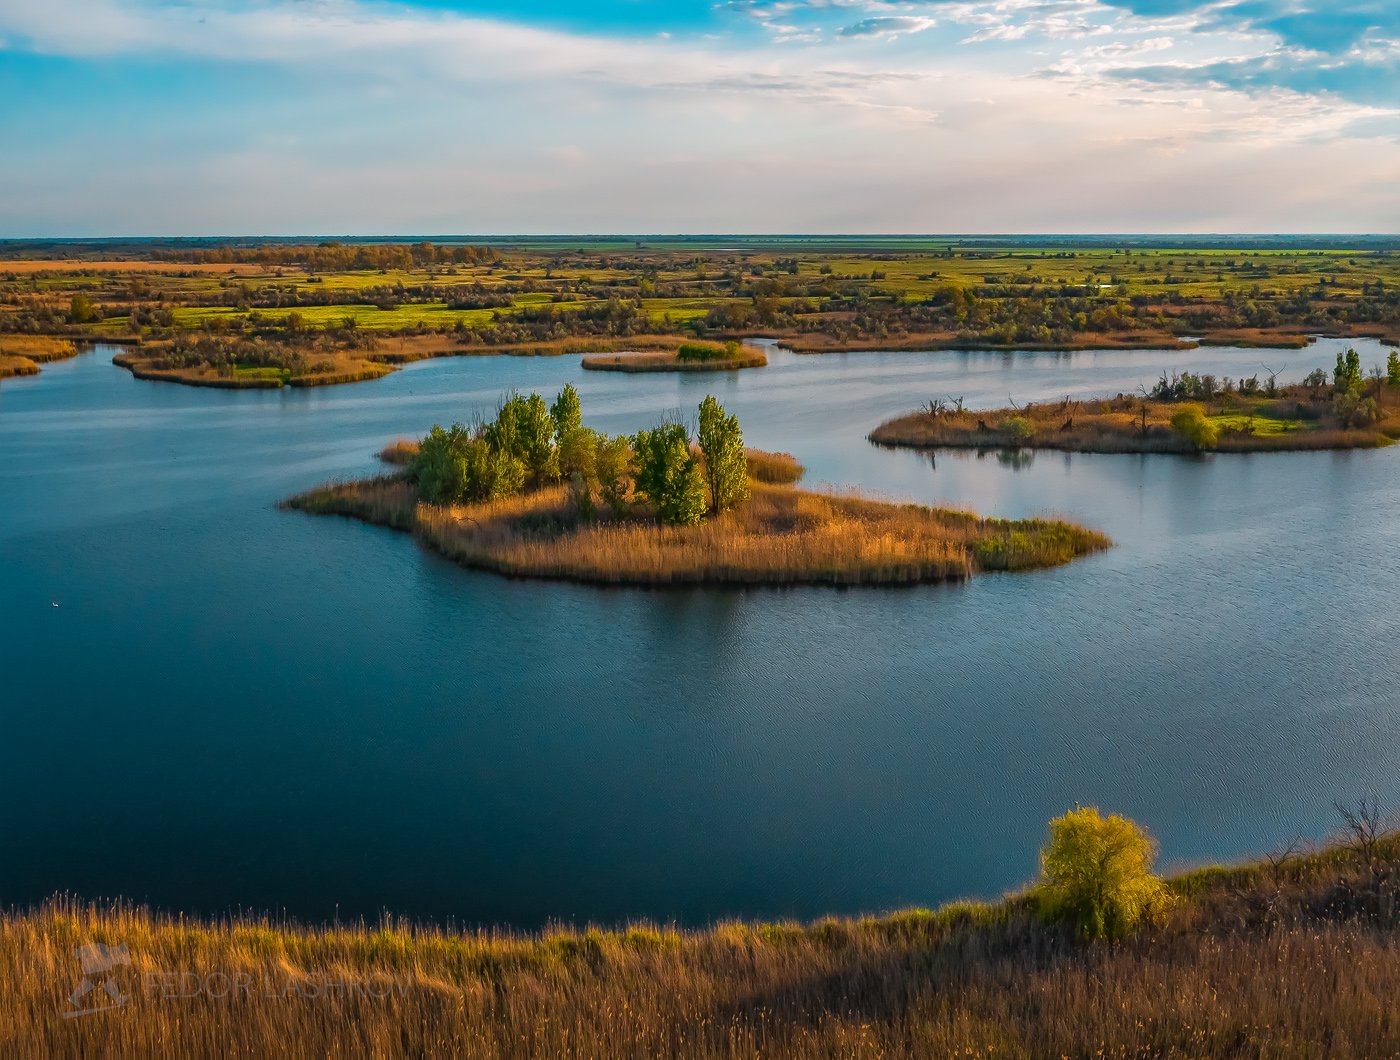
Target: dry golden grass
[[400, 452], [776, 469], [1115, 426], [23, 354], [781, 536], [1297, 959]]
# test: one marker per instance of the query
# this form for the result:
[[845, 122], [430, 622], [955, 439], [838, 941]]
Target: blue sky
[[129, 117]]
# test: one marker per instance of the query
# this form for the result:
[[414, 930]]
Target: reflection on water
[[1015, 459], [235, 705]]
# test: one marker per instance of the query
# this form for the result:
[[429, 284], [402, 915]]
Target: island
[[1184, 413], [24, 354], [688, 357], [534, 493]]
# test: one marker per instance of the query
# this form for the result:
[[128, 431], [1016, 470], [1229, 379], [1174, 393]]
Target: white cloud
[[403, 119]]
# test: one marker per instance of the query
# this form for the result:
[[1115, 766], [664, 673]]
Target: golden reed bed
[[782, 536]]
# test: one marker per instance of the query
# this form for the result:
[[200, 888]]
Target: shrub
[[1096, 875], [1351, 410], [1190, 421], [1020, 429], [703, 351]]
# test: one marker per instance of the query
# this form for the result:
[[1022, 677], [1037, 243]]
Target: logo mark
[[99, 991]]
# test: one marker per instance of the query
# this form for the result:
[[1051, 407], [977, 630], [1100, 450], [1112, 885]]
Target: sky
[[365, 117]]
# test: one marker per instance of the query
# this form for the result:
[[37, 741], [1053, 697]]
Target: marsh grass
[[400, 452], [1116, 426], [674, 361], [781, 536], [776, 469], [1294, 957], [22, 355]]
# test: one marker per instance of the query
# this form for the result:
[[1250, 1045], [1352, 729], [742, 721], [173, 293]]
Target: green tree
[[566, 412], [578, 463], [524, 429], [1096, 874], [80, 310], [669, 475], [441, 467], [1346, 377], [1191, 421], [490, 473], [722, 443], [613, 464], [1392, 368]]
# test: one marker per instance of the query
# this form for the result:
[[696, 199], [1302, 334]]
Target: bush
[[702, 351], [1190, 420], [1096, 875], [1020, 429], [1351, 410]]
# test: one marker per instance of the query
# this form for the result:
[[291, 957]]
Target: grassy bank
[[782, 536], [22, 355], [1295, 956], [1295, 419]]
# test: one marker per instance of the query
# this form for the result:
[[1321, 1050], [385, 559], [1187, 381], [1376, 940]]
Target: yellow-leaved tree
[[1096, 874]]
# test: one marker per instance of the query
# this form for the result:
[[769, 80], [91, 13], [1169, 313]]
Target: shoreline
[[392, 352]]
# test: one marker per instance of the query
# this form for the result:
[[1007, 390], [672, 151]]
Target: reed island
[[534, 493], [688, 357], [1183, 413]]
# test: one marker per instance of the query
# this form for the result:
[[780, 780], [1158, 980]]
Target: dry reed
[[1296, 958], [780, 536]]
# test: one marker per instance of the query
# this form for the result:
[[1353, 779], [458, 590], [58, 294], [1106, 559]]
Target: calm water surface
[[233, 706]]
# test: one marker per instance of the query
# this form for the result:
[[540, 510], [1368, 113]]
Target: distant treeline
[[331, 256]]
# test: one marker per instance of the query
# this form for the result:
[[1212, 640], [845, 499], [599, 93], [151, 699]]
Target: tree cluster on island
[[531, 444]]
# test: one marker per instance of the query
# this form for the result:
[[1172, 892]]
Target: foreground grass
[[781, 536], [1295, 419], [1296, 957]]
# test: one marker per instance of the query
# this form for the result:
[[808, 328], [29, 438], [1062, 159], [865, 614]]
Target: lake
[[209, 704]]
